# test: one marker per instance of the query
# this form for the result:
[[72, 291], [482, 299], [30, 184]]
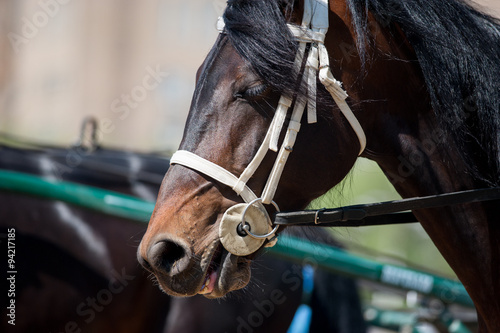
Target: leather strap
[[211, 169], [388, 212]]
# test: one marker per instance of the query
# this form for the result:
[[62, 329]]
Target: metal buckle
[[316, 215]]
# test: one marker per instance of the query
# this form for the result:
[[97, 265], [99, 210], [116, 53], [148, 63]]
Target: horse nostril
[[143, 261], [168, 256]]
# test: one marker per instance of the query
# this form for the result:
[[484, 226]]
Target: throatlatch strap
[[339, 95]]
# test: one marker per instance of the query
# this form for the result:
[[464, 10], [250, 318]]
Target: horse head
[[232, 109], [424, 103]]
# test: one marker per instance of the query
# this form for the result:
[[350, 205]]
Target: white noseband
[[238, 237]]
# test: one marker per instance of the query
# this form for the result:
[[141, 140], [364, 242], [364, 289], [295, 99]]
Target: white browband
[[312, 31]]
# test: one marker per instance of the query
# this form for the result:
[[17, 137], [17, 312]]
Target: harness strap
[[315, 15], [388, 212], [255, 163], [286, 149], [195, 162], [310, 74], [306, 36], [339, 95], [316, 35]]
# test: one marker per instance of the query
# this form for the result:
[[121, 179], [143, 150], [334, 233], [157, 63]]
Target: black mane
[[258, 31], [458, 49]]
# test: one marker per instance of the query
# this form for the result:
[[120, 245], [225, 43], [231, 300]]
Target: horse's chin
[[216, 274]]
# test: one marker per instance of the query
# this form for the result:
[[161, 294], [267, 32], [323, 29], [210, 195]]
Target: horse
[[77, 269], [421, 99]]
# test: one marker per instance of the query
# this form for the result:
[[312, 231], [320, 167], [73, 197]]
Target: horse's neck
[[467, 235], [419, 159]]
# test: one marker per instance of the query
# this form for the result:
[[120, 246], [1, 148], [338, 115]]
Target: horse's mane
[[258, 31], [458, 49]]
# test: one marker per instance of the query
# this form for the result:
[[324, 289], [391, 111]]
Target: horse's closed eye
[[252, 92], [256, 91]]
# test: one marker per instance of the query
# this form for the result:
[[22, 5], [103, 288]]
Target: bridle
[[241, 220], [246, 227]]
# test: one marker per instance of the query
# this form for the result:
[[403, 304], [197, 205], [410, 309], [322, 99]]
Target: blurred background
[[132, 64], [62, 60]]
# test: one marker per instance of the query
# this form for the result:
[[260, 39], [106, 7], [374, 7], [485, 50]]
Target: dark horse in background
[[77, 269], [423, 79], [75, 266]]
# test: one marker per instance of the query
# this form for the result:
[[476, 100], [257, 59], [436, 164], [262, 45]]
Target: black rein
[[389, 212]]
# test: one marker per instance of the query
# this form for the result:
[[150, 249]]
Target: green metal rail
[[290, 248], [93, 198], [339, 261]]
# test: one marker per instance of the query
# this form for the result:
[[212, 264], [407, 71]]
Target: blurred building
[[130, 63]]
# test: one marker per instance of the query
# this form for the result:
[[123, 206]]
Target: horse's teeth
[[206, 283]]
